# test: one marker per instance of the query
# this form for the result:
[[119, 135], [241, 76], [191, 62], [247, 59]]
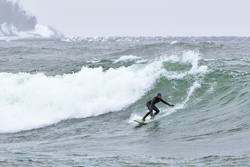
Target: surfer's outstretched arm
[[167, 103]]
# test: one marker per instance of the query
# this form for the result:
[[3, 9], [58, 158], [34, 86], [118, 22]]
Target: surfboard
[[141, 122]]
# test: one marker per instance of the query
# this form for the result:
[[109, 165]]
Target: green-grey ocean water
[[73, 103]]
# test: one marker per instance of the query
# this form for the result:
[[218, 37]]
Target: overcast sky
[[143, 17]]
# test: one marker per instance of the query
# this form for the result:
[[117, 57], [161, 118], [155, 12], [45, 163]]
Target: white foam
[[39, 31], [133, 117], [32, 101], [94, 61], [43, 30], [127, 58], [189, 57], [141, 61], [174, 42]]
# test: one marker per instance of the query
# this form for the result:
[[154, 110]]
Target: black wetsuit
[[151, 106]]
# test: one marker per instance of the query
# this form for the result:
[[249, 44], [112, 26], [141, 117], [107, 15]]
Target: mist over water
[[12, 14], [16, 22], [73, 103]]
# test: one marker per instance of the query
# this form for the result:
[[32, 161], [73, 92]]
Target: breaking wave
[[31, 101]]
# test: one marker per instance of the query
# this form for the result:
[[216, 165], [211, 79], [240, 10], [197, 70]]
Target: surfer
[[151, 106]]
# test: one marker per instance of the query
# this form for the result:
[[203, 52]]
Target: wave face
[[79, 99]]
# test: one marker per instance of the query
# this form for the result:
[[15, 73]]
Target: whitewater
[[72, 102]]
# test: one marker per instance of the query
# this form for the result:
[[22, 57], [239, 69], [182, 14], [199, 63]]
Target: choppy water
[[73, 103]]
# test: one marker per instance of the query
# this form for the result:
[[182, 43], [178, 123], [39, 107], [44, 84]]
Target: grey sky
[[143, 17]]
